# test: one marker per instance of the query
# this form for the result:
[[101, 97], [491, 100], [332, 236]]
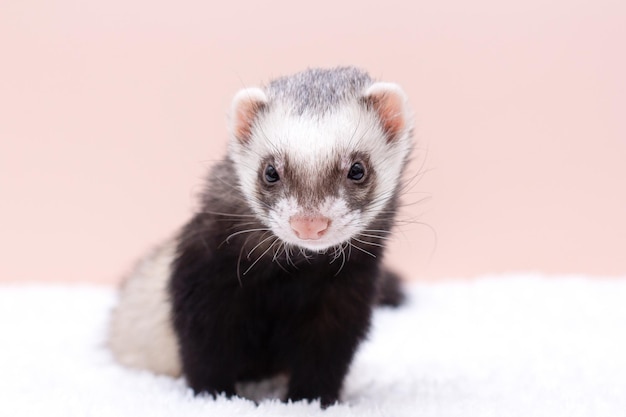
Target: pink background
[[111, 112]]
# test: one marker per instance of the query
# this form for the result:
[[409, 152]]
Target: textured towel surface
[[503, 346]]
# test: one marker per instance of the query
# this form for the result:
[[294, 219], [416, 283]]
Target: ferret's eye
[[357, 172], [271, 175]]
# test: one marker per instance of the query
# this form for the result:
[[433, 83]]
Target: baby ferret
[[280, 268]]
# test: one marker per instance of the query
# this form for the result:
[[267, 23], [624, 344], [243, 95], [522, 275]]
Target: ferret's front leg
[[210, 362], [210, 352], [205, 319], [326, 343]]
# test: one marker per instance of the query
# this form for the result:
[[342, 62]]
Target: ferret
[[280, 268]]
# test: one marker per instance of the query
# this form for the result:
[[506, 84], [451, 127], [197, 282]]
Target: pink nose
[[309, 228]]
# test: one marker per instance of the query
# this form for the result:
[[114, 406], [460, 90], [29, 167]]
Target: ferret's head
[[320, 154]]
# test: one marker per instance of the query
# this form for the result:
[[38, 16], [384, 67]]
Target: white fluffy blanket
[[504, 346]]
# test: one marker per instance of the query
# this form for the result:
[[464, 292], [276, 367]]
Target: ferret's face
[[316, 202], [318, 181]]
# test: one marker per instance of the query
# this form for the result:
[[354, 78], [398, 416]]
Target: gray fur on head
[[318, 90]]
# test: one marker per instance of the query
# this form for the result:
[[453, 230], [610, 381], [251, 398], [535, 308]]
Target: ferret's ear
[[246, 106], [390, 103]]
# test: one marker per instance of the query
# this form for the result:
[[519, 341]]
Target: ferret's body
[[279, 270]]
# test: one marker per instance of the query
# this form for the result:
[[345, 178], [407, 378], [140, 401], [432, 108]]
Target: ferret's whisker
[[259, 258], [260, 243], [374, 236], [368, 243], [362, 250], [262, 229]]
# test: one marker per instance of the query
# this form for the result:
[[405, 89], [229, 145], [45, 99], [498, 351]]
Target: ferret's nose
[[309, 228]]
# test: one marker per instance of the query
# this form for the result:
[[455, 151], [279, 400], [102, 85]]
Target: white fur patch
[[140, 332]]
